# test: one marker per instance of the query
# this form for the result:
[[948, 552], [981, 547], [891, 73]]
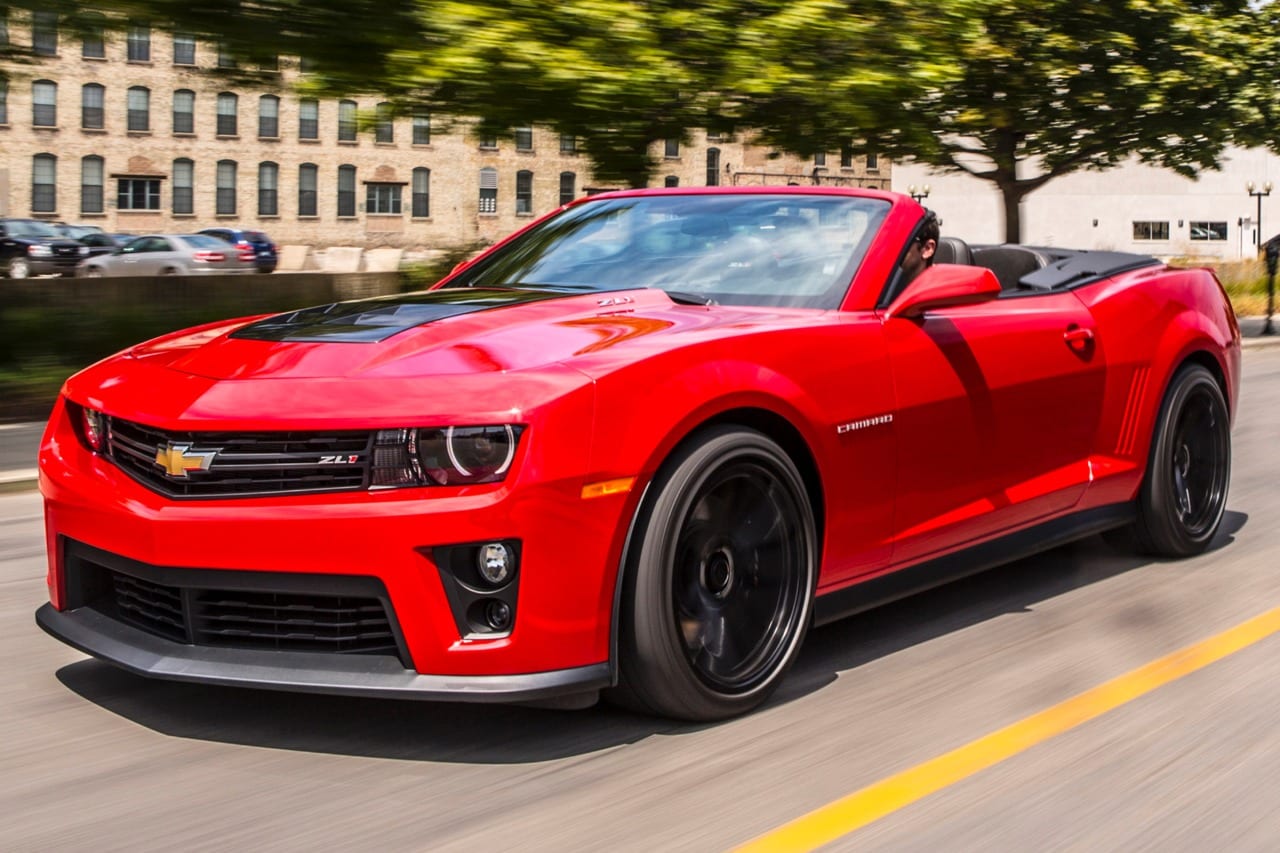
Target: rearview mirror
[[944, 285]]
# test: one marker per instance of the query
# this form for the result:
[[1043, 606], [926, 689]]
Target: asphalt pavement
[[20, 442]]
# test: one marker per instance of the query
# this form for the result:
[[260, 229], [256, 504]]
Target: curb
[[18, 481]]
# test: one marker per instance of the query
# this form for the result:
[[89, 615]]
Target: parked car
[[169, 254], [30, 247], [77, 232], [264, 251], [101, 243], [640, 446]]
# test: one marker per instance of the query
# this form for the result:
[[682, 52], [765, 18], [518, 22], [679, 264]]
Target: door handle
[[1077, 338]]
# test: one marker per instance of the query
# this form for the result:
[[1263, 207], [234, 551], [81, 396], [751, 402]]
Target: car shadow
[[500, 734]]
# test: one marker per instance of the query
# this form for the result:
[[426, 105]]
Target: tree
[[1014, 92]]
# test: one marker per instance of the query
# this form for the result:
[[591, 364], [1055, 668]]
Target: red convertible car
[[638, 447]]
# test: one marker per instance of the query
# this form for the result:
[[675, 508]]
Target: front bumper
[[145, 654], [53, 265], [559, 642]]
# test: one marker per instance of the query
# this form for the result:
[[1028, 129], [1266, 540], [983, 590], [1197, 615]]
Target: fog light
[[497, 614], [494, 562]]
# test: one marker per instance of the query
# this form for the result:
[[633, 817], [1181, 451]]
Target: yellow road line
[[860, 808]]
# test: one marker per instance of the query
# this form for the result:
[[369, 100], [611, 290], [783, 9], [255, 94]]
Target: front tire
[[19, 268], [1184, 493], [719, 585]]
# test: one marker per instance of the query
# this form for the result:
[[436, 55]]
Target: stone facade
[[138, 148]]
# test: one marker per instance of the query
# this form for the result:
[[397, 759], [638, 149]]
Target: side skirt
[[908, 581]]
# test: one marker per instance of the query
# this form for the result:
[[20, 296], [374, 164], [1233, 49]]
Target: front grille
[[276, 621], [241, 464]]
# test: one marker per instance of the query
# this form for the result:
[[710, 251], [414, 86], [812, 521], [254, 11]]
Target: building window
[[227, 107], [268, 117], [671, 148], [44, 33], [270, 63], [4, 101], [184, 111], [138, 194], [568, 143], [225, 197], [92, 97], [346, 190], [488, 190], [568, 187], [268, 189], [421, 193], [347, 121], [308, 174], [93, 43], [384, 129], [1151, 230], [382, 198], [524, 138], [4, 25], [225, 59], [138, 43], [820, 159], [873, 162], [713, 167], [846, 157], [91, 184], [308, 118], [421, 128], [138, 101], [184, 181], [524, 191], [184, 49], [44, 183], [671, 181], [44, 103], [489, 142], [1208, 230]]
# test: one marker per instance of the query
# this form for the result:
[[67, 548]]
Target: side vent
[[1132, 412]]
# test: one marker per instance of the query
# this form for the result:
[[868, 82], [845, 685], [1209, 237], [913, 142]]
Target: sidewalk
[[20, 443]]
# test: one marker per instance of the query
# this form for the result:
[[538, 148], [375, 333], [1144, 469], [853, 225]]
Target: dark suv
[[30, 247], [264, 251]]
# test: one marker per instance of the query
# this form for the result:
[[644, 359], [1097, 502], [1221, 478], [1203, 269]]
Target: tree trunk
[[1012, 197]]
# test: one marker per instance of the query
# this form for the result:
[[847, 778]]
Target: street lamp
[[1258, 192], [921, 193]]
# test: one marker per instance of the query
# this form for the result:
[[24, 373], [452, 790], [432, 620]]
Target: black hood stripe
[[373, 320]]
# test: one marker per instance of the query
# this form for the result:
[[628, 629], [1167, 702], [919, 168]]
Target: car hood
[[482, 354], [435, 333]]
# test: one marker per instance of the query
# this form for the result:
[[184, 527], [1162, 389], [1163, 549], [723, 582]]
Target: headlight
[[449, 456], [39, 250], [90, 426], [84, 250]]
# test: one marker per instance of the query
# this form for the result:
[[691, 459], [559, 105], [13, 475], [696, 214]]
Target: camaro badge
[[178, 459], [841, 429]]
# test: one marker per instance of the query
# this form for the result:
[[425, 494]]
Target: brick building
[[149, 131]]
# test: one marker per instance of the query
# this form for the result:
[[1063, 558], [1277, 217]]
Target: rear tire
[[719, 586], [1184, 493], [19, 268], [169, 271], [93, 272]]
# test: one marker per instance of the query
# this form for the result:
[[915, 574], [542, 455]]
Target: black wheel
[[720, 579], [169, 271], [1184, 493], [19, 268], [93, 272]]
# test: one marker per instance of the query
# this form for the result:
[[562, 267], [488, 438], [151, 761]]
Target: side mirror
[[944, 285]]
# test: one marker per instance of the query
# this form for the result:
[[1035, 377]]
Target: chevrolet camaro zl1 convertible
[[638, 447]]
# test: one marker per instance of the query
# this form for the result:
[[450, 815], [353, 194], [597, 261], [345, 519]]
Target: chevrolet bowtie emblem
[[178, 459]]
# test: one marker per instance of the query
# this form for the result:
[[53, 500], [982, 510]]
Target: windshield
[[29, 228], [747, 249]]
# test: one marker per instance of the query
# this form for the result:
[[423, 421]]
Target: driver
[[920, 253]]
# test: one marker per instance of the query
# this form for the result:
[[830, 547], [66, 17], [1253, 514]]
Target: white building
[[1132, 208]]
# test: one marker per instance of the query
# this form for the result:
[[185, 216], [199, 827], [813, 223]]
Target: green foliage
[[1015, 92]]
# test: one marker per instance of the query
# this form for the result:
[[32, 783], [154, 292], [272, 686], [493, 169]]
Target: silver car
[[170, 254]]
